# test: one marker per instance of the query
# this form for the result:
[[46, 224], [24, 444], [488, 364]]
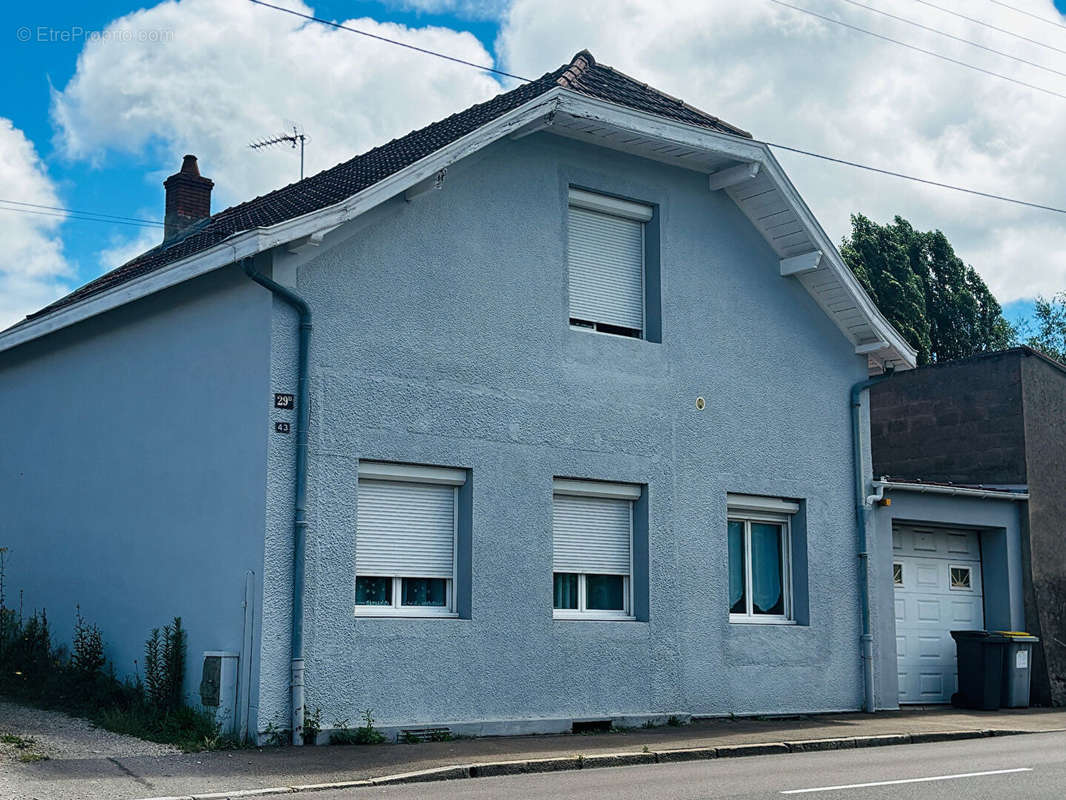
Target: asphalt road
[[1037, 763]]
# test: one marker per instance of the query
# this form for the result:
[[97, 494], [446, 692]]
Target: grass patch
[[32, 757], [36, 671]]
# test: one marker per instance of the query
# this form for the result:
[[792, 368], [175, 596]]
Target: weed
[[645, 749], [675, 721], [20, 742], [275, 736], [87, 658], [312, 725], [35, 671], [364, 734]]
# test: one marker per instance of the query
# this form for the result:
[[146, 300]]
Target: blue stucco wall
[[1000, 525], [441, 337], [133, 467]]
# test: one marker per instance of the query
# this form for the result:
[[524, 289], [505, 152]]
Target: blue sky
[[29, 71], [124, 179]]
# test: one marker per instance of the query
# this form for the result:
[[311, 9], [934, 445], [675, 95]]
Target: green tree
[[1046, 330], [938, 303]]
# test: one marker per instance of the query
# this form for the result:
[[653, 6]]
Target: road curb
[[603, 760]]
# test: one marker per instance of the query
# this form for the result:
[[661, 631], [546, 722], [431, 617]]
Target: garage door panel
[[940, 570]]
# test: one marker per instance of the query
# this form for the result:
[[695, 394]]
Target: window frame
[[747, 509], [577, 487], [431, 475], [618, 208], [969, 578]]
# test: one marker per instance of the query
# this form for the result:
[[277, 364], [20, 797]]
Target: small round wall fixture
[[700, 404]]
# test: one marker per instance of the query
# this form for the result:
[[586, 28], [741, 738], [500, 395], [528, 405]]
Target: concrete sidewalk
[[221, 773]]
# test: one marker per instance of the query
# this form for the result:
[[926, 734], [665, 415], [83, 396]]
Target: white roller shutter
[[605, 254], [405, 529], [591, 534]]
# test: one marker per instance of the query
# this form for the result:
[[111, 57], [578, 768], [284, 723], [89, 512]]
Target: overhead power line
[[812, 154], [926, 181], [73, 214], [953, 37], [932, 53], [989, 25], [1045, 20], [397, 42]]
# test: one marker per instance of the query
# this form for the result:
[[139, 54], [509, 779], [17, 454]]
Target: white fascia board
[[254, 241], [747, 150], [591, 108], [226, 252], [957, 491], [558, 100], [898, 348]]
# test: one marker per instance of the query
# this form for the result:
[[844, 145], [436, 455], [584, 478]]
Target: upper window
[[405, 539], [605, 255], [592, 544], [760, 569]]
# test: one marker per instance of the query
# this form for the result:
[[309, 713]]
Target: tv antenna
[[297, 139]]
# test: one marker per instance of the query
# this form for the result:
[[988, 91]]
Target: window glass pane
[[424, 592], [565, 590], [373, 591], [738, 603], [605, 593], [767, 572]]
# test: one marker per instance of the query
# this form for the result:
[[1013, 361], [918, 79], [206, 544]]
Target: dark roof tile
[[337, 183]]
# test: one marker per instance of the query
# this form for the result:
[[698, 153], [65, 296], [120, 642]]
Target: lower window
[[581, 593], [760, 572], [405, 539], [400, 593], [592, 544]]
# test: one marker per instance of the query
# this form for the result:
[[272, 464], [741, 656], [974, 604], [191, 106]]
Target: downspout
[[299, 532], [860, 517]]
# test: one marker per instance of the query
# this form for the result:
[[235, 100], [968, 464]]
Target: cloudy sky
[[99, 105]]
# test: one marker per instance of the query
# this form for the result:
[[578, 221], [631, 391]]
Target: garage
[[936, 575]]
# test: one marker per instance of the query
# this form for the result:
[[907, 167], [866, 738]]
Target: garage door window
[[960, 579], [760, 571]]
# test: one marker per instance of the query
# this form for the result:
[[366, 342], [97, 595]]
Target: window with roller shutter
[[592, 548], [605, 260], [406, 539]]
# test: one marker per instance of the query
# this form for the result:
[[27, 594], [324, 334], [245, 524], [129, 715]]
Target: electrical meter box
[[218, 687]]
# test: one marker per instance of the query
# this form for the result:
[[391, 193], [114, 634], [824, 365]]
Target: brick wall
[[959, 422]]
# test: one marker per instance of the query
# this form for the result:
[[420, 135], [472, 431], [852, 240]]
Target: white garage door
[[937, 575]]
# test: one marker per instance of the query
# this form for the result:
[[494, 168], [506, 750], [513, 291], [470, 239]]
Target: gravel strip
[[57, 735]]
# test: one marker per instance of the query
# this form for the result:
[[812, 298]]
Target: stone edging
[[564, 763]]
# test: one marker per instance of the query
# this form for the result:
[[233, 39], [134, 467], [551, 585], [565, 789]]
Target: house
[[994, 420], [551, 411]]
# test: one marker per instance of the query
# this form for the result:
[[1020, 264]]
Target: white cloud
[[231, 72], [33, 270], [790, 78], [465, 9]]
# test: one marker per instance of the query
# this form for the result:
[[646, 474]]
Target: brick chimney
[[188, 198]]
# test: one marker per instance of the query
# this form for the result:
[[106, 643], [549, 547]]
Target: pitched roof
[[333, 185]]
